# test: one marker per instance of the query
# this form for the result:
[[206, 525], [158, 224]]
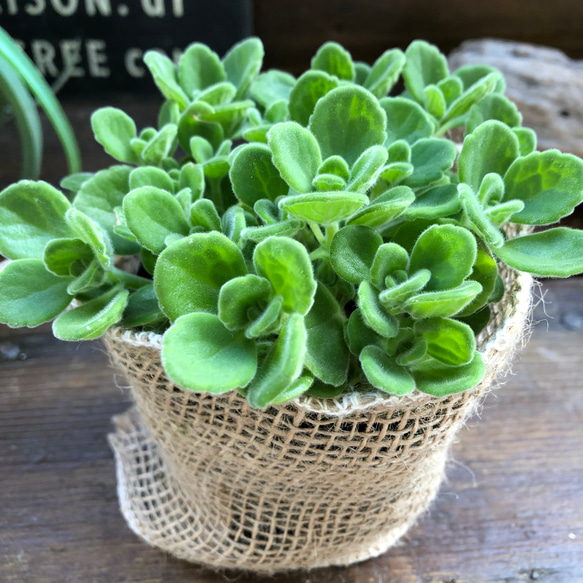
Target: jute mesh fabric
[[305, 484]]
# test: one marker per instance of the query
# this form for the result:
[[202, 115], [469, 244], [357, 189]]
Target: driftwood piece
[[545, 84]]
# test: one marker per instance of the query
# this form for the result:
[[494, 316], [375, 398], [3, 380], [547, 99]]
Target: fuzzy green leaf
[[430, 158], [199, 68], [150, 176], [471, 74], [359, 335], [190, 273], [31, 295], [334, 60], [435, 378], [282, 366], [441, 201], [485, 272], [242, 64], [91, 233], [254, 176], [192, 176], [142, 308], [325, 208], [449, 252], [389, 258], [493, 106], [335, 165], [424, 65], [296, 154], [553, 253], [384, 373], [153, 214], [526, 140], [115, 130], [491, 147], [367, 168], [165, 76], [238, 296], [384, 208], [394, 296], [406, 120], [352, 252], [297, 388], [374, 314], [31, 214], [60, 254], [286, 264], [287, 228], [479, 90], [478, 219], [200, 354], [327, 353], [385, 72], [347, 121], [92, 319], [444, 303], [549, 183], [309, 88], [272, 87], [160, 146], [268, 322]]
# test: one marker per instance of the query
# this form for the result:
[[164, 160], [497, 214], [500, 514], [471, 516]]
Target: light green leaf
[[406, 120], [389, 258], [491, 147], [287, 228], [352, 252], [31, 214], [384, 208], [165, 76], [335, 165], [242, 64], [325, 208], [334, 60], [91, 233], [200, 354], [254, 176], [444, 303], [441, 201], [74, 182], [430, 158], [434, 101], [328, 183], [286, 264], [553, 253], [384, 373], [393, 297], [152, 214], [296, 154], [31, 295], [240, 295], [385, 72], [435, 378], [478, 220], [192, 176], [493, 106], [190, 273], [297, 388], [115, 130], [199, 68], [271, 87], [282, 366], [347, 121], [424, 65], [367, 168], [471, 74], [549, 183], [204, 214], [479, 90], [190, 124], [160, 145], [309, 88], [150, 176], [374, 314], [267, 322], [92, 319], [526, 140], [60, 254]]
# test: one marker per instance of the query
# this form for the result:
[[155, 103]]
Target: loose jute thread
[[306, 484]]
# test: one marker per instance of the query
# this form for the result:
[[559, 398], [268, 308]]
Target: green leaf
[[491, 190], [478, 320], [201, 149], [444, 303], [323, 391], [217, 94], [204, 214], [526, 140], [399, 151], [549, 183], [361, 72], [328, 183], [441, 201], [92, 319], [91, 233], [452, 88], [367, 168], [334, 60], [406, 120], [347, 121], [254, 176], [374, 314], [491, 147], [394, 296], [307, 91], [160, 145], [296, 154], [325, 208], [267, 322], [190, 273], [297, 388], [282, 366], [100, 196], [434, 101], [142, 308], [493, 106], [424, 65], [287, 228], [553, 253], [478, 219], [31, 214], [190, 125], [165, 76], [60, 254], [230, 116], [479, 90], [115, 130], [435, 378], [327, 353], [448, 251], [169, 113], [199, 68], [335, 165], [233, 223], [153, 214], [384, 373], [200, 354], [430, 158], [385, 72], [389, 258], [31, 295], [271, 87], [485, 272], [359, 335], [90, 278], [74, 182], [240, 295], [150, 176], [396, 172], [242, 64], [471, 74], [352, 252], [286, 264], [192, 176]]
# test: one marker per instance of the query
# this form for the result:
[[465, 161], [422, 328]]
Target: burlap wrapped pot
[[306, 484]]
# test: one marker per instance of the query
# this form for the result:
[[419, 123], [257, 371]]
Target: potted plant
[[327, 285]]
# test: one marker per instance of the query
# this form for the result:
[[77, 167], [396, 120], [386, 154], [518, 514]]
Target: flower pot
[[306, 484]]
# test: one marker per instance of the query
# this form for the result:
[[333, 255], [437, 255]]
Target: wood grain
[[511, 510]]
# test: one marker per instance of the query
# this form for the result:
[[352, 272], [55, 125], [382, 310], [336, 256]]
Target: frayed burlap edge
[[310, 483]]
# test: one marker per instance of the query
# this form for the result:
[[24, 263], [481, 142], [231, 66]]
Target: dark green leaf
[[142, 309], [359, 335], [430, 158], [238, 296], [352, 252], [485, 272]]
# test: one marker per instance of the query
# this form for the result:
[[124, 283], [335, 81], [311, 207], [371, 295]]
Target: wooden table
[[510, 511]]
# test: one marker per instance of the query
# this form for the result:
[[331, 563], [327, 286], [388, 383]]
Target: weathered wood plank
[[511, 510]]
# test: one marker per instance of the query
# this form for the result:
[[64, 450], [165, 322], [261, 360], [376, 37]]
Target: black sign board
[[101, 42]]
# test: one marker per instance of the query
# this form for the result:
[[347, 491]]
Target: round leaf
[[242, 64], [424, 65], [352, 252], [406, 120], [238, 296], [199, 68], [307, 91], [335, 60], [385, 72], [384, 373], [115, 130]]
